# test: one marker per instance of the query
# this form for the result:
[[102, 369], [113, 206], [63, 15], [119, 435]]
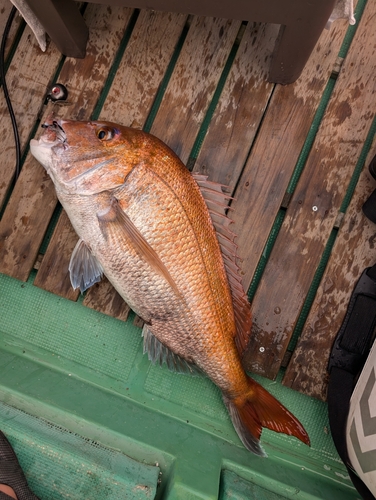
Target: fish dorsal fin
[[158, 353], [115, 223], [84, 268], [217, 202]]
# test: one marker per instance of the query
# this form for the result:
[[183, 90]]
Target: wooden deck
[[294, 158]]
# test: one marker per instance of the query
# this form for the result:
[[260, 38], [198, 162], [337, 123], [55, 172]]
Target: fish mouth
[[53, 139], [53, 132], [54, 135]]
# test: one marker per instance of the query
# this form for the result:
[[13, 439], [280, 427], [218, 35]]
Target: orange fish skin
[[102, 171]]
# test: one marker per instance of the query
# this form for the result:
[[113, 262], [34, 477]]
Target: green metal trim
[[359, 167], [266, 253], [115, 65], [166, 79], [215, 99], [351, 30]]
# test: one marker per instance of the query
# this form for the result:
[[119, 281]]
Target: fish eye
[[106, 133]]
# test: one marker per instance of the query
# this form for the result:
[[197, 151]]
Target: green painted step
[[85, 373]]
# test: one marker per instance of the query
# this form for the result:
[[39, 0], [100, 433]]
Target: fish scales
[[143, 221], [192, 260]]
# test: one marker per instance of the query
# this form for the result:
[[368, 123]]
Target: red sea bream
[[161, 236]]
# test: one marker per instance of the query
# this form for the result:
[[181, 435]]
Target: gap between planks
[[314, 206]]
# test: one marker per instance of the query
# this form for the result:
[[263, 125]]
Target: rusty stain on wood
[[240, 108], [34, 195], [321, 188], [354, 250], [193, 82], [252, 144]]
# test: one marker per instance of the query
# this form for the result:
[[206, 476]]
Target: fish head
[[85, 157]]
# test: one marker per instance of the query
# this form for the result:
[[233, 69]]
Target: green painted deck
[[88, 414]]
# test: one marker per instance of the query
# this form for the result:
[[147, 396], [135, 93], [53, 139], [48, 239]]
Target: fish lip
[[54, 133]]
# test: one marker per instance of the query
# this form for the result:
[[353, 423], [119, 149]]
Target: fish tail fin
[[258, 409]]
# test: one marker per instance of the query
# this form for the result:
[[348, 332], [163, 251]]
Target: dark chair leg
[[64, 24], [295, 44]]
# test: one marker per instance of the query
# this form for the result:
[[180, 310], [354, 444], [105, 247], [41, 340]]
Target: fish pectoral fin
[[158, 353], [84, 268], [115, 222]]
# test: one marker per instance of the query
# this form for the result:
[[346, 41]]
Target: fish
[[162, 237]]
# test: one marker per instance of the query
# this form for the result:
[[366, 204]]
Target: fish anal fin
[[84, 268], [115, 223], [216, 201], [158, 353]]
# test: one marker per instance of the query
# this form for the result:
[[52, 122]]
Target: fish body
[[143, 221]]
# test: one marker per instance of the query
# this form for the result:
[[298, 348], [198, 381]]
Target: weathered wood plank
[[193, 82], [240, 108], [27, 95], [50, 268], [276, 149], [353, 251], [128, 101], [33, 200], [5, 9], [141, 71], [142, 67], [314, 206], [103, 298]]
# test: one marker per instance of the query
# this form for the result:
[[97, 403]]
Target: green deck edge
[[60, 464], [86, 373]]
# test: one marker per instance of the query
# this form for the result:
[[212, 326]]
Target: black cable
[[6, 93]]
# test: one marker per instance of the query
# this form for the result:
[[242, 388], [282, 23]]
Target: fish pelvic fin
[[84, 268], [115, 223], [258, 409]]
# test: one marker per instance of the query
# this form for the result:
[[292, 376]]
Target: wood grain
[[314, 206], [353, 251], [277, 147], [240, 108], [53, 274], [103, 298], [142, 67], [28, 79], [193, 82], [33, 200], [141, 71], [129, 99]]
